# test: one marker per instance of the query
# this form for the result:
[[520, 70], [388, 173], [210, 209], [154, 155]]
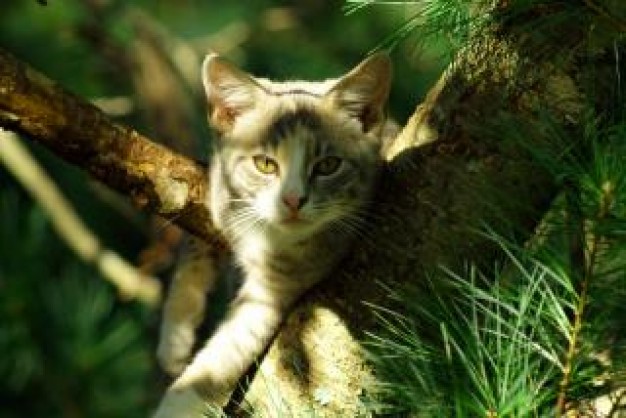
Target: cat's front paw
[[175, 347], [181, 403]]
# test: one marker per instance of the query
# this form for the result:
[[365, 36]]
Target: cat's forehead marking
[[288, 123], [302, 117]]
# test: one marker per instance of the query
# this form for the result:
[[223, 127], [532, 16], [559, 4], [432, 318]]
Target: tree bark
[[156, 178], [433, 196]]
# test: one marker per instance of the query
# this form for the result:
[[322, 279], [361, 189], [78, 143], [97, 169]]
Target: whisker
[[241, 200], [356, 224], [242, 221], [242, 218]]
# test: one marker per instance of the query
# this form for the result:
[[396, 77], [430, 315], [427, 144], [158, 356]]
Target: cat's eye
[[327, 166], [265, 164]]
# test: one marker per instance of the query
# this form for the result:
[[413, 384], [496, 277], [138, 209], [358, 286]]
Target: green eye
[[265, 164], [327, 166]]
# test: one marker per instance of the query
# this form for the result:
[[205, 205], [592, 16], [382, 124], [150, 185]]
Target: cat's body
[[292, 174]]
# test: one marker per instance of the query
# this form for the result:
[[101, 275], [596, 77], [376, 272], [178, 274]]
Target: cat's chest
[[271, 256]]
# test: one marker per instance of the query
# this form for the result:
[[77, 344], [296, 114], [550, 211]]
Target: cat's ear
[[363, 92], [230, 92]]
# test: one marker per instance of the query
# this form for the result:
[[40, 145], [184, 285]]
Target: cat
[[294, 168]]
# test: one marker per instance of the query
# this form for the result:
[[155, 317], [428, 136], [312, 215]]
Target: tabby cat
[[292, 173]]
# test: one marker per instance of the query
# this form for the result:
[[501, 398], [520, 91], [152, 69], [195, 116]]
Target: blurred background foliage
[[70, 347]]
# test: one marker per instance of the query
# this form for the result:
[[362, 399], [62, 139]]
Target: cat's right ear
[[230, 92]]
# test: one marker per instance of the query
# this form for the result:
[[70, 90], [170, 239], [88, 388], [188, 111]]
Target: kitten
[[292, 173]]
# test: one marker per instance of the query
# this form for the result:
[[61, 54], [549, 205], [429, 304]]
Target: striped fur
[[291, 176]]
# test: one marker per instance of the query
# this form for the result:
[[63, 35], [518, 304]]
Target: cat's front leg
[[212, 375], [185, 305], [180, 403]]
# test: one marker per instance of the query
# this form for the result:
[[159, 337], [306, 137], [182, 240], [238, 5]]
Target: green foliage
[[69, 348], [428, 20], [507, 340], [497, 350]]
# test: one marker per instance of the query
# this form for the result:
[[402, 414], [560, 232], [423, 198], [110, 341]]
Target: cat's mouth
[[293, 221]]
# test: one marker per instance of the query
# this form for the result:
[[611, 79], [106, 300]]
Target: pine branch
[[156, 178], [586, 242]]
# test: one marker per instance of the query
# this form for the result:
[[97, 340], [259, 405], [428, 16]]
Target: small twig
[[573, 342], [586, 258], [578, 269], [131, 282]]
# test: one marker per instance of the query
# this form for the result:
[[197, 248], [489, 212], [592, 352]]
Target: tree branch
[[164, 182]]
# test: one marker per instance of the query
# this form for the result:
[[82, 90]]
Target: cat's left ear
[[230, 92], [363, 92]]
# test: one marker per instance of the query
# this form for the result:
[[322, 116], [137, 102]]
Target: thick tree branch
[[164, 182]]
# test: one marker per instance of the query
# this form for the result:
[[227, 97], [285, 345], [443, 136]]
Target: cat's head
[[295, 156]]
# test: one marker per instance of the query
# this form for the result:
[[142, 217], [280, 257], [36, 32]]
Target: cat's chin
[[294, 226]]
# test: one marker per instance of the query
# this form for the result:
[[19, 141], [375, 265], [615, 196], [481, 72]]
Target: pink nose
[[294, 201]]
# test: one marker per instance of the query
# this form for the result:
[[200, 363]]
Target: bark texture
[[156, 178]]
